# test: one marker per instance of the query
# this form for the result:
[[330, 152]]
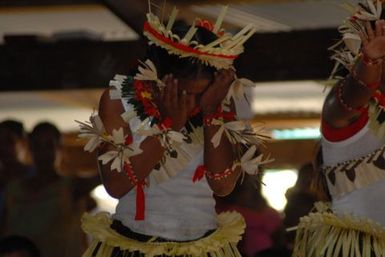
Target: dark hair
[[15, 126], [15, 243], [319, 184], [187, 67], [43, 128]]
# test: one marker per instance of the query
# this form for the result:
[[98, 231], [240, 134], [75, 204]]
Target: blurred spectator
[[12, 153], [264, 229], [18, 246], [45, 206], [17, 128], [300, 200]]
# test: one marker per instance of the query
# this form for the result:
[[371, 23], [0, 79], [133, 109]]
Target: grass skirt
[[324, 234], [221, 243]]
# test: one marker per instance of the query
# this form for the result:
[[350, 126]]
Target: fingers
[[164, 92], [373, 45], [364, 39], [172, 102], [378, 28], [381, 25], [182, 102], [369, 31], [174, 93], [168, 90], [190, 103], [224, 77]]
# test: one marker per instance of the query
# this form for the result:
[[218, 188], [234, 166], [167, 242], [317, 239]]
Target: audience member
[[264, 229], [18, 246], [300, 200], [44, 206], [12, 152]]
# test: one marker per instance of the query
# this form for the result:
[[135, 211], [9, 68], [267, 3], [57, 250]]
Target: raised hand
[[374, 42], [172, 104], [217, 91]]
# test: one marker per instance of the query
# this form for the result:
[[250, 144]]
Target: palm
[[374, 40], [171, 105], [213, 96], [376, 48]]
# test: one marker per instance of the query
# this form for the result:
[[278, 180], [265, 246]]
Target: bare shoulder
[[110, 111], [334, 115], [106, 104]]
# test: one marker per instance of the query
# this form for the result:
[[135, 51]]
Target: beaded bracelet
[[131, 176], [373, 85], [369, 61], [219, 175], [209, 119], [343, 104]]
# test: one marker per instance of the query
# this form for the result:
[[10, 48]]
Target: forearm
[[361, 83], [219, 159], [119, 183], [349, 98]]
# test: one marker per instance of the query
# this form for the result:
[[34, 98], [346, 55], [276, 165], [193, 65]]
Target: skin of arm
[[170, 104], [354, 94], [176, 106], [177, 101], [118, 184], [218, 160], [221, 158]]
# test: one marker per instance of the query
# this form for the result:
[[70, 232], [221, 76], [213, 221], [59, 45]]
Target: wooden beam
[[295, 55], [290, 153]]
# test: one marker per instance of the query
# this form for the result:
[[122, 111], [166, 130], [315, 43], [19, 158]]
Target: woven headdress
[[220, 53]]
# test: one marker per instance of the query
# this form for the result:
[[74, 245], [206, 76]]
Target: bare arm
[[218, 159], [118, 184], [170, 105], [354, 90]]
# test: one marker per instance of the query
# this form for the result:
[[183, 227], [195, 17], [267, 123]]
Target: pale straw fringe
[[221, 243], [324, 234]]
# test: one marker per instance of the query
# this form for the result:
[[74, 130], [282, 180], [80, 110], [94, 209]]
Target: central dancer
[[170, 136]]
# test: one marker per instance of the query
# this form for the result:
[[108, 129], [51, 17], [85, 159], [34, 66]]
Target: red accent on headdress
[[208, 25], [204, 24], [184, 48]]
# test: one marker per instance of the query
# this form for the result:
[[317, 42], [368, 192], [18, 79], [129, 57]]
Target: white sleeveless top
[[176, 209], [365, 201]]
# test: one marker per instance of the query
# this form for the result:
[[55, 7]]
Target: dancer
[[352, 146], [165, 145], [42, 205]]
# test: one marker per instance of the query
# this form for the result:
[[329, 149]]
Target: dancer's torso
[[355, 174]]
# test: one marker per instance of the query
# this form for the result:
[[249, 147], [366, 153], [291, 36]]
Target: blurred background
[[56, 57]]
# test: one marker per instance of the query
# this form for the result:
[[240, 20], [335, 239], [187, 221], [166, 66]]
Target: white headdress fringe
[[219, 53]]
